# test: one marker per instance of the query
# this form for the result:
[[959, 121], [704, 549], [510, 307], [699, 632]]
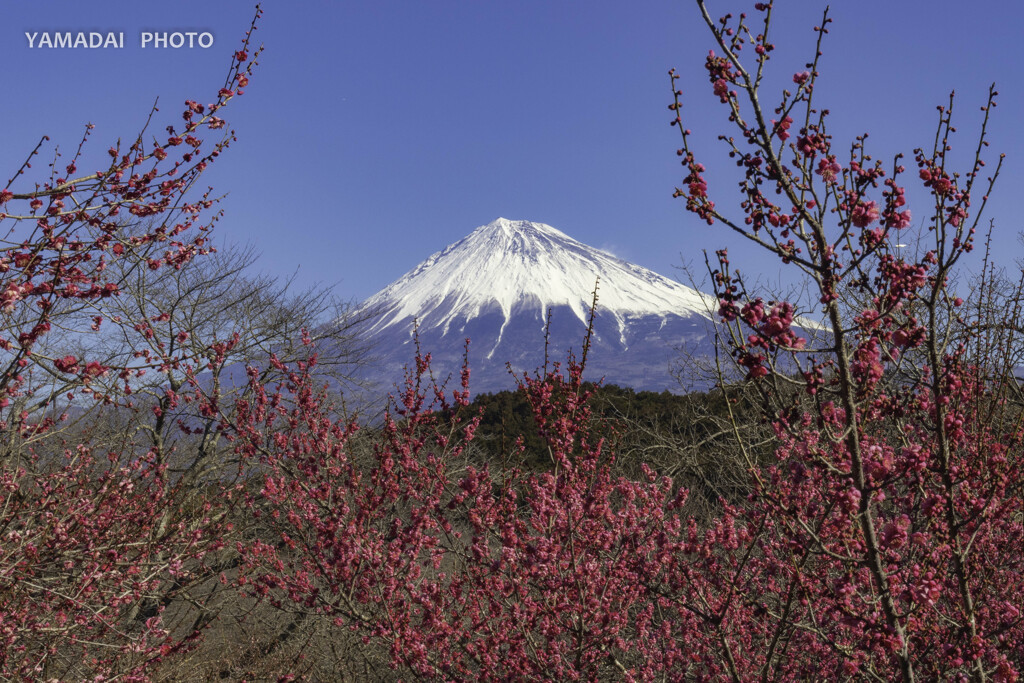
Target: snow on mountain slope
[[518, 264], [496, 287]]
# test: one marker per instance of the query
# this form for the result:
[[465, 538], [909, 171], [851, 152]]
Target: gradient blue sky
[[376, 132]]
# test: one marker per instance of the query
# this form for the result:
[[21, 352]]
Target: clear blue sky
[[375, 132]]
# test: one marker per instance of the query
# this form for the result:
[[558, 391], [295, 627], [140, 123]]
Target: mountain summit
[[496, 285]]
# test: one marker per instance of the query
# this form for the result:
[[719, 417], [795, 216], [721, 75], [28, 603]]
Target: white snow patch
[[506, 262]]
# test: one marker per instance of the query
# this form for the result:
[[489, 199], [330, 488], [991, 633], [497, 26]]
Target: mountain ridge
[[496, 286]]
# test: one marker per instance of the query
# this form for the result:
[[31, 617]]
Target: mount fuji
[[496, 285]]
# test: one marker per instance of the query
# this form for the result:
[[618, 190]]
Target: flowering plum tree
[[894, 507], [93, 538], [63, 231], [461, 571]]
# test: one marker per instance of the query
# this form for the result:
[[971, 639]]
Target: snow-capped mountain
[[495, 287]]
